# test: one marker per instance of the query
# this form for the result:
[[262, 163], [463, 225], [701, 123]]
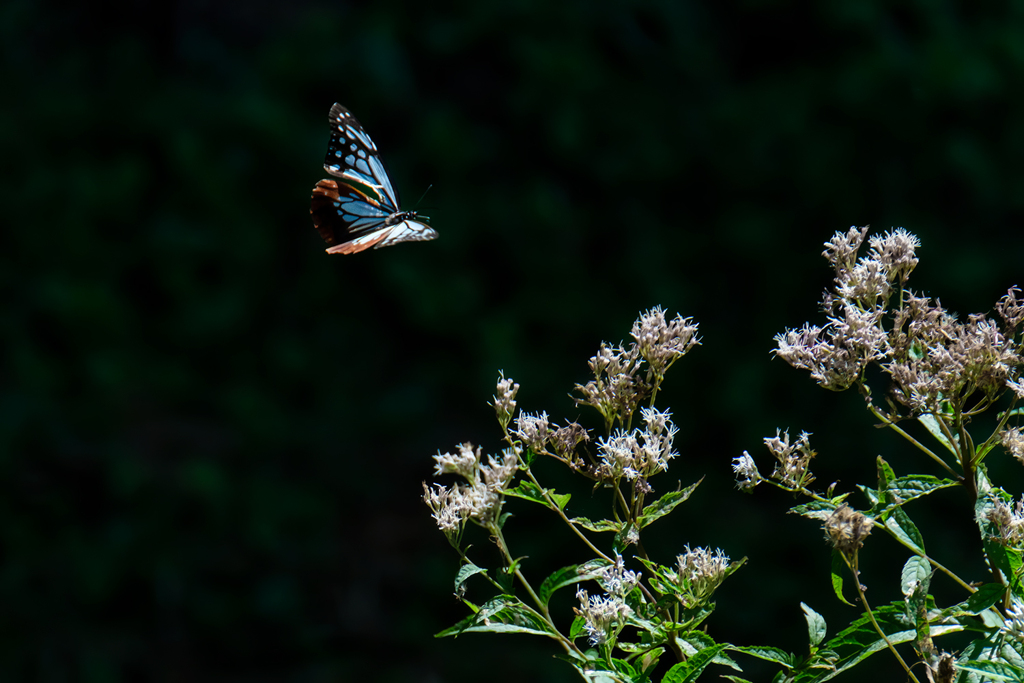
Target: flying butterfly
[[348, 217]]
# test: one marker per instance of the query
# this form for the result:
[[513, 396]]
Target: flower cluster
[[641, 453], [604, 616], [1007, 524], [480, 498], [505, 402], [939, 365], [747, 476], [1013, 442], [936, 359], [617, 388], [662, 342], [1013, 627], [699, 572], [793, 468], [619, 384]]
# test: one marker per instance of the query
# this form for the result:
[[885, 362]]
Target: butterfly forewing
[[352, 155], [349, 219]]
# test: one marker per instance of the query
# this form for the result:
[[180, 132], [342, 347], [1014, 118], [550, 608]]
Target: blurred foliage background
[[212, 435]]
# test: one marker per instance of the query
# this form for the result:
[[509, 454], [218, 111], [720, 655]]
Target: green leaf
[[885, 473], [815, 625], [503, 614], [527, 490], [593, 671], [650, 660], [932, 425], [625, 668], [1006, 560], [692, 642], [598, 526], [577, 627], [905, 489], [818, 510], [566, 576], [838, 569], [860, 640], [665, 505], [915, 580], [992, 648], [985, 448], [999, 671], [900, 525], [915, 575], [506, 579], [465, 571], [986, 596], [771, 654], [688, 671]]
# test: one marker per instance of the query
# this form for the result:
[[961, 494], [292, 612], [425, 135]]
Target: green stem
[[544, 613], [867, 608], [927, 451], [554, 506]]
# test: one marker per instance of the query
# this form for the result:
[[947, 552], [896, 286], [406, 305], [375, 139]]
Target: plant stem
[[871, 616], [551, 504], [927, 451]]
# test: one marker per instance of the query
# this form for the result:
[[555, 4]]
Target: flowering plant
[[629, 620], [942, 372]]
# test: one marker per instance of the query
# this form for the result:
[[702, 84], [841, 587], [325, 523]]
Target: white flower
[[602, 616], [464, 463], [747, 476]]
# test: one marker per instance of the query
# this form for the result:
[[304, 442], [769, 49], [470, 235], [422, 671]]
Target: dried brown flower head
[[846, 529]]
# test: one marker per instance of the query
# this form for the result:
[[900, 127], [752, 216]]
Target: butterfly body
[[362, 210]]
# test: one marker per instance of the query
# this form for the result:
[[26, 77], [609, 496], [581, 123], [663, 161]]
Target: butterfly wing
[[406, 231], [352, 156], [350, 221]]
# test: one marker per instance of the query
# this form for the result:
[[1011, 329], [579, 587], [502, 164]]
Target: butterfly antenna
[[418, 201]]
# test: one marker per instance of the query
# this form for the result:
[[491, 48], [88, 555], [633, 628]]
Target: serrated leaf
[[885, 473], [465, 571], [932, 425], [598, 526], [999, 671], [874, 644], [688, 671], [527, 490], [905, 489], [916, 575], [820, 510], [901, 526], [815, 625], [986, 596], [771, 654], [624, 667], [503, 614], [566, 576], [665, 505]]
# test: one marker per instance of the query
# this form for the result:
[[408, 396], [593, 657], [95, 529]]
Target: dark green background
[[212, 435]]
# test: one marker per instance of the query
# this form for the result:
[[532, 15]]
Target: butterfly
[[362, 210]]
